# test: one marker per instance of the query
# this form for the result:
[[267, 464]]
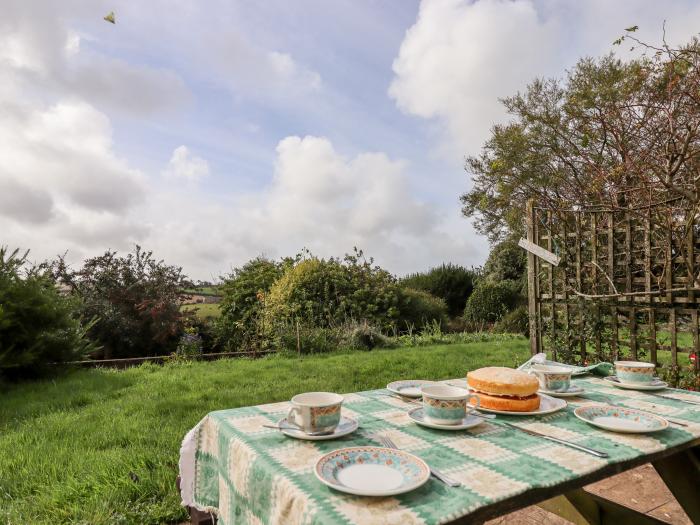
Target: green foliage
[[244, 293], [514, 322], [491, 301], [419, 309], [451, 282], [506, 262], [38, 326], [330, 292], [133, 298], [581, 139]]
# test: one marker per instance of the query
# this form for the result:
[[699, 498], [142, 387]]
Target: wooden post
[[647, 287], [531, 280], [594, 274], [579, 282], [611, 270], [552, 292]]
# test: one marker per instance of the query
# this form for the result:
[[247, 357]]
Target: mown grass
[[204, 311], [102, 446]]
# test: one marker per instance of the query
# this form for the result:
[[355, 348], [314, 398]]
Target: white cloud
[[183, 165], [317, 198], [460, 56]]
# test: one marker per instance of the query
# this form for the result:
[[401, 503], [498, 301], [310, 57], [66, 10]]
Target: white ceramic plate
[[372, 471], [548, 405], [621, 419], [657, 384], [345, 427], [408, 387], [572, 392], [469, 421]]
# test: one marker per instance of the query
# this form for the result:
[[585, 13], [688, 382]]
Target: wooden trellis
[[626, 286]]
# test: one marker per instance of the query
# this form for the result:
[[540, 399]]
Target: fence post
[[531, 279]]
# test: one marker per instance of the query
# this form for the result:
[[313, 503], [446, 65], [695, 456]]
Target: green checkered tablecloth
[[249, 474]]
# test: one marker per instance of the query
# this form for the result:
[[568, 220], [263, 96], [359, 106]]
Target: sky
[[213, 132]]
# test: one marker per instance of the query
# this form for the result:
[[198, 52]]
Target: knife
[[557, 440]]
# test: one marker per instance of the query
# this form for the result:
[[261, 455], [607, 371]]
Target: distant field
[[203, 311], [207, 290]]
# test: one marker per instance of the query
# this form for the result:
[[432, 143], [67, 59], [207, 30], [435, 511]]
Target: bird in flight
[[110, 17]]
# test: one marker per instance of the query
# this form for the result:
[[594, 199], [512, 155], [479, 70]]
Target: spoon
[[277, 427]]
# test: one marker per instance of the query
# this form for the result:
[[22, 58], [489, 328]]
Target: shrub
[[490, 302], [419, 309], [38, 325], [450, 282], [363, 336], [514, 322], [243, 299], [506, 262], [331, 292], [135, 301]]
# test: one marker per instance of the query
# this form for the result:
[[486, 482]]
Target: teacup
[[447, 405], [637, 372], [315, 411], [552, 378]]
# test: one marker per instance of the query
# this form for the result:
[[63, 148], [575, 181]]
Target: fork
[[387, 442]]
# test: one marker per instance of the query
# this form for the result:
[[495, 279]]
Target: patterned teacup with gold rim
[[552, 378], [447, 405], [315, 411], [637, 372]]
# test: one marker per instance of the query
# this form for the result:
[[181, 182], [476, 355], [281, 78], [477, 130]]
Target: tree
[[134, 299], [38, 325], [450, 282], [613, 134]]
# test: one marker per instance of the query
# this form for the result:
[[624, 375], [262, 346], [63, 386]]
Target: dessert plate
[[620, 419], [345, 427], [469, 421], [408, 387], [573, 391], [548, 405], [656, 384], [372, 471]]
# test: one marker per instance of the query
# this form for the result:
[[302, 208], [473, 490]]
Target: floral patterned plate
[[418, 416], [372, 471], [408, 387], [548, 405], [656, 384], [620, 419]]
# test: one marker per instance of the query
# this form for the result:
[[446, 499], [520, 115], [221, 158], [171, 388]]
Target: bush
[[514, 322], [135, 301], [453, 283], [38, 325], [327, 293], [490, 302], [507, 262], [243, 298], [363, 336], [419, 309]]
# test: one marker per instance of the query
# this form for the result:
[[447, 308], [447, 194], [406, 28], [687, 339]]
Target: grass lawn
[[203, 310], [102, 446]]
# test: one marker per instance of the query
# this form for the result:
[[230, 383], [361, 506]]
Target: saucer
[[620, 419], [372, 471], [345, 427], [656, 384], [408, 387], [469, 421], [573, 391]]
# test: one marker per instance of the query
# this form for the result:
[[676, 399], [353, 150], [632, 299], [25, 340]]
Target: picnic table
[[243, 473]]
